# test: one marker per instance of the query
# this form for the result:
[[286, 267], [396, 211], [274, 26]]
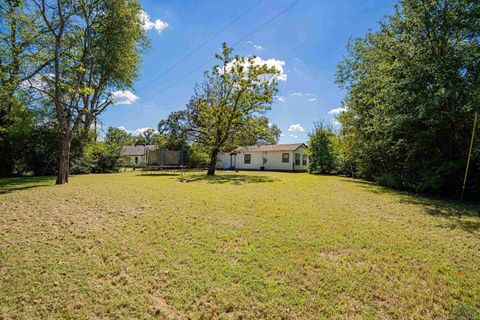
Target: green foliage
[[34, 145], [21, 58], [227, 106], [105, 158], [413, 87], [196, 156], [119, 137], [256, 131], [322, 146], [99, 157], [149, 136]]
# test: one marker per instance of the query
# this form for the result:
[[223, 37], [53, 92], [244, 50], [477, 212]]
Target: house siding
[[274, 160]]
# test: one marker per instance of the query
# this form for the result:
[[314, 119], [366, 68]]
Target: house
[[137, 154], [278, 157]]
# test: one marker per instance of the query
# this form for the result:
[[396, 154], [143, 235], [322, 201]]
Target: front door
[[233, 161]]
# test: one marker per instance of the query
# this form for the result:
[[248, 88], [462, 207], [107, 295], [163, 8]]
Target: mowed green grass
[[246, 245]]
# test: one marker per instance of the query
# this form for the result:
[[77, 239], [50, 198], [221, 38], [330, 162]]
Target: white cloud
[[310, 96], [279, 98], [123, 97], [256, 46], [39, 83], [337, 110], [140, 131], [277, 64], [148, 24], [296, 128], [335, 122]]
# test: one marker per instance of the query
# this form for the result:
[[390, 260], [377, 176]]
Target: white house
[[278, 157]]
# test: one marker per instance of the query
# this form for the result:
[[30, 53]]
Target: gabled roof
[[270, 147], [137, 150]]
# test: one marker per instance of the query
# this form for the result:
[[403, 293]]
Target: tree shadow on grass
[[236, 179], [8, 185], [159, 174], [455, 214]]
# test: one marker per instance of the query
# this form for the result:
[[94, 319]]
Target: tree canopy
[[228, 107], [413, 88]]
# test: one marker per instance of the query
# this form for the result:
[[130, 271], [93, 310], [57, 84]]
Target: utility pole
[[469, 153]]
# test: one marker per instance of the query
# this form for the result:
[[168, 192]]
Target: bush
[[35, 149], [108, 160], [104, 158], [98, 158], [197, 157], [80, 166], [321, 148]]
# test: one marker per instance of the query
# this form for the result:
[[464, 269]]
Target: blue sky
[[310, 39]]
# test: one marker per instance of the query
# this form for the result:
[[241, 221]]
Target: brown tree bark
[[64, 159], [6, 161], [213, 162]]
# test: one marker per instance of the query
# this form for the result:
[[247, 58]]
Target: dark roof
[[137, 150], [270, 147]]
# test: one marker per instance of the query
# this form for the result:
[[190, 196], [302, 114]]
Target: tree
[[21, 58], [147, 137], [119, 137], [413, 87], [113, 43], [230, 101], [259, 131], [85, 61], [321, 148]]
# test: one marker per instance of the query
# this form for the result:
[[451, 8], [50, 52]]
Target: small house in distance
[[138, 154], [277, 157]]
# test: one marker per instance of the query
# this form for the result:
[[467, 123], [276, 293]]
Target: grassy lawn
[[247, 245]]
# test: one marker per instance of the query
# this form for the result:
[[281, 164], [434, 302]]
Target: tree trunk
[[6, 161], [213, 162], [64, 159]]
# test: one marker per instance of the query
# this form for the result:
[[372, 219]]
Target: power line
[[211, 59], [201, 45]]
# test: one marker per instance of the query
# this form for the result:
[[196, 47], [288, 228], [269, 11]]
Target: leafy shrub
[[108, 160], [197, 157], [322, 146], [104, 158], [81, 166]]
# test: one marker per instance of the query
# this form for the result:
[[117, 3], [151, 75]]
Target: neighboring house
[[137, 154], [278, 157]]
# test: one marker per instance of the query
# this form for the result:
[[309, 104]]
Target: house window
[[247, 158], [297, 159], [285, 157], [304, 160]]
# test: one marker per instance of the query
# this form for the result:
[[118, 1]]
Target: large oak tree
[[96, 47], [228, 106]]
